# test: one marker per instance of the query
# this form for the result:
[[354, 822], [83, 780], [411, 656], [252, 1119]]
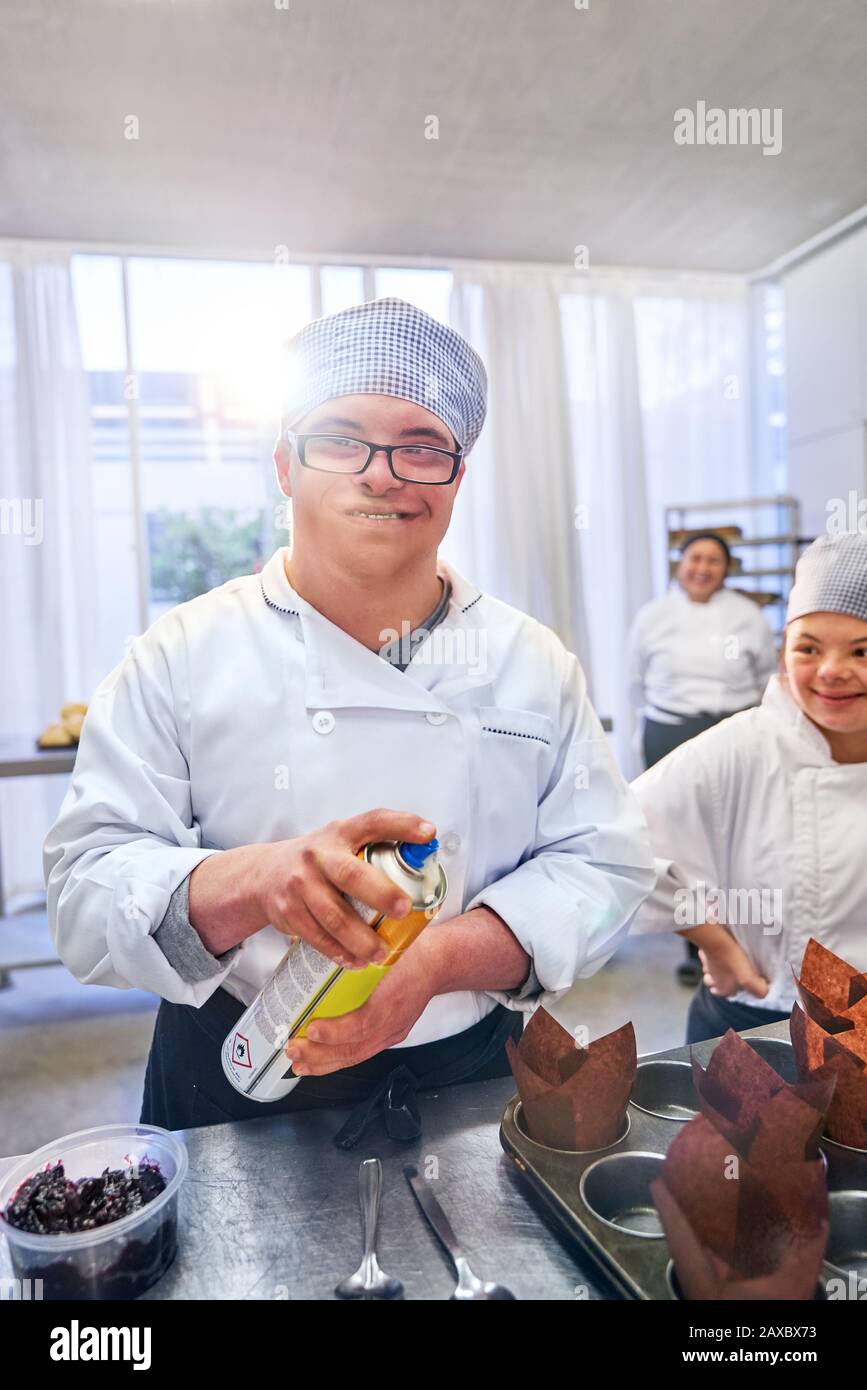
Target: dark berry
[[49, 1204]]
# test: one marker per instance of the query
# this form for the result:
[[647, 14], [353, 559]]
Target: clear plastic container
[[122, 1258]]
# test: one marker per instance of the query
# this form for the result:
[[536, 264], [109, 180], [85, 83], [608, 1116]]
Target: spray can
[[308, 985]]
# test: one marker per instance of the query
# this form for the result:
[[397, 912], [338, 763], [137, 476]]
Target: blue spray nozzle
[[414, 856]]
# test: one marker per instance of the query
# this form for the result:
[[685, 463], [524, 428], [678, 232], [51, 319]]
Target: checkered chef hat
[[831, 577], [389, 347]]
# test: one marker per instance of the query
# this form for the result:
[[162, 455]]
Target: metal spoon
[[369, 1281], [468, 1287]]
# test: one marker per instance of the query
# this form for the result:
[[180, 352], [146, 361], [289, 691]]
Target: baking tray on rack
[[601, 1198]]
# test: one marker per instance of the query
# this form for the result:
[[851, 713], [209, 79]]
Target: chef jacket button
[[433, 717], [451, 842], [323, 721]]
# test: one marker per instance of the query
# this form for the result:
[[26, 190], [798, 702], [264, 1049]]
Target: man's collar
[[276, 589], [464, 593], [341, 671]]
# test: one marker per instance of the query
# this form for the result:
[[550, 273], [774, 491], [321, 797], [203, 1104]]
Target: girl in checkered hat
[[759, 825]]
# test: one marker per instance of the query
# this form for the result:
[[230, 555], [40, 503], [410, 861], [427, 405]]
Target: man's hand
[[298, 885], [475, 950], [386, 1018]]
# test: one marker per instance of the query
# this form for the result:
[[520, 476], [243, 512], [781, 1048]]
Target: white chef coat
[[244, 716], [691, 657], [758, 803]]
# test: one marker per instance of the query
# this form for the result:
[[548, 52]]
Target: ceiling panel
[[305, 126]]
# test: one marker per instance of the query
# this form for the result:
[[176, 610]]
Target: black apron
[[185, 1085], [662, 739]]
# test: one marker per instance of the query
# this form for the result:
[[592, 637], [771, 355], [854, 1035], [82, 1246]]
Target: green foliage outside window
[[191, 552]]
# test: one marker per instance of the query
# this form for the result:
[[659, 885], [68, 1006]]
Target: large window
[[186, 396]]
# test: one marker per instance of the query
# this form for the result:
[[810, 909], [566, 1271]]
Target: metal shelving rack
[[785, 544]]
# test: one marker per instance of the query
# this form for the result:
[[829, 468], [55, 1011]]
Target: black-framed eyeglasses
[[409, 463]]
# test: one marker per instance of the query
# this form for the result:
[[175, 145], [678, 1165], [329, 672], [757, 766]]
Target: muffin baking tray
[[601, 1199]]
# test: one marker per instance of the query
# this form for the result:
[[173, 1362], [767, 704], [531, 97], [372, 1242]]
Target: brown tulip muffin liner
[[750, 1104], [829, 1037], [573, 1097], [743, 1193]]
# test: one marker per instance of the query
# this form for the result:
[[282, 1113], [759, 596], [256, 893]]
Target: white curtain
[[513, 528], [599, 334], [47, 580], [694, 353], [612, 395]]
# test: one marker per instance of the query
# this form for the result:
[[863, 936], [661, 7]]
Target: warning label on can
[[241, 1051]]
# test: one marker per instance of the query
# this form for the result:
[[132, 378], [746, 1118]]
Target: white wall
[[826, 369]]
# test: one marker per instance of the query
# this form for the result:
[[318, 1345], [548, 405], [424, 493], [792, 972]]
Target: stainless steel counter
[[269, 1209]]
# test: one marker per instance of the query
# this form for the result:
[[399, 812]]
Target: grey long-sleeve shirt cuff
[[181, 944], [529, 988]]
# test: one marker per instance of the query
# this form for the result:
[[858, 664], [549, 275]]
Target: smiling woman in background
[[699, 653], [768, 811]]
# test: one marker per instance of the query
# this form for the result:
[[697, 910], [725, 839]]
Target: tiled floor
[[72, 1055]]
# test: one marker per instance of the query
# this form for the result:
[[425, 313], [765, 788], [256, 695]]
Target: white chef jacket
[[245, 716], [758, 803], [691, 657]]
